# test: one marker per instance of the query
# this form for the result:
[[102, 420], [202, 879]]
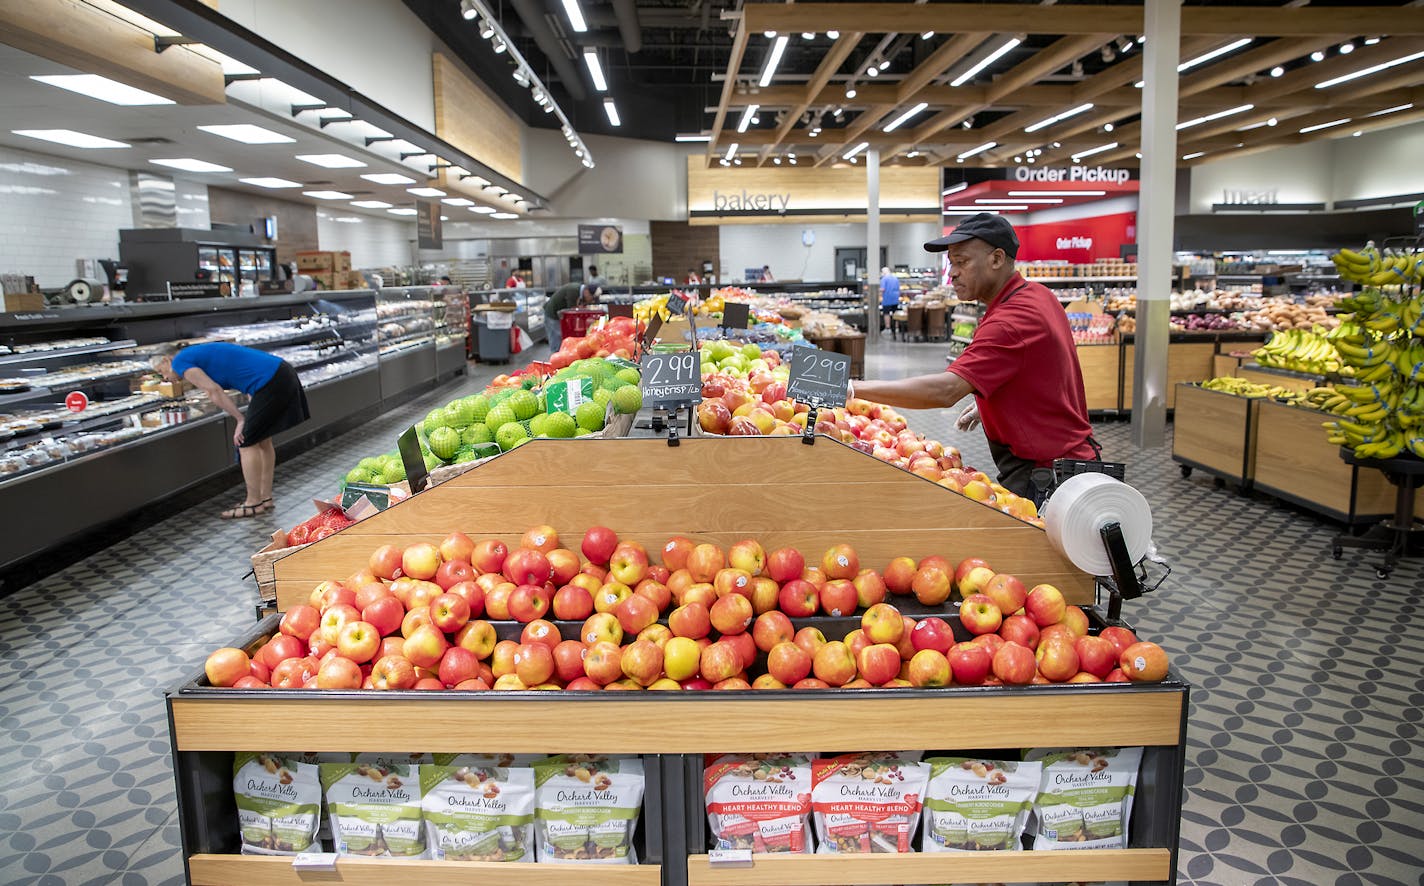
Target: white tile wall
[[373, 242], [53, 211]]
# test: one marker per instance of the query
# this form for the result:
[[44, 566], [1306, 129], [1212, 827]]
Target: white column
[[1156, 209], [872, 245]]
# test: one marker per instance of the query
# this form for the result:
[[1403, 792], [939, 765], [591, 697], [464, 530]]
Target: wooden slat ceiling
[[815, 118]]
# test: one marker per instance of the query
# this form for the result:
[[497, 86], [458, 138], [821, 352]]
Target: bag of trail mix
[[374, 809], [476, 812], [867, 802], [278, 803], [975, 804], [760, 802], [1084, 797], [497, 761], [586, 808]]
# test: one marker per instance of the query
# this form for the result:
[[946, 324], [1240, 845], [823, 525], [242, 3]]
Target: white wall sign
[[1250, 197], [747, 200]]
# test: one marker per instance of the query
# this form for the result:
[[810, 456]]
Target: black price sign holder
[[671, 382], [415, 472], [735, 315], [819, 379]]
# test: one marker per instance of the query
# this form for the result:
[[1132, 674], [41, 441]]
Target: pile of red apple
[[419, 618], [614, 339]]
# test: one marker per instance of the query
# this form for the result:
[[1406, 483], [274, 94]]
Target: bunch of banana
[[1326, 400], [1375, 361], [1299, 350], [1370, 266], [1240, 387]]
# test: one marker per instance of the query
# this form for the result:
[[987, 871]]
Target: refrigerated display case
[[159, 256]]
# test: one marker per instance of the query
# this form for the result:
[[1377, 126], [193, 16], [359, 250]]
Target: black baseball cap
[[992, 229]]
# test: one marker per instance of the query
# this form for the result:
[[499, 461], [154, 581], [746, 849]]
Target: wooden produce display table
[[1215, 432], [1187, 361], [1101, 366], [1296, 463], [645, 489], [1291, 381]]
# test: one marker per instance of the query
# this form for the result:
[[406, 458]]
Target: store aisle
[[1305, 767]]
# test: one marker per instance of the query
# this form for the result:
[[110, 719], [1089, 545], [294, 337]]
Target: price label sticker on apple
[[818, 377], [730, 858], [314, 861], [671, 380]]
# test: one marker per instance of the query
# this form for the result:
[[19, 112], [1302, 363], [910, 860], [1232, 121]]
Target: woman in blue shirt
[[277, 403]]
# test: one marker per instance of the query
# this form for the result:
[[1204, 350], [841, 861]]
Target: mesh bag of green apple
[[867, 803], [1084, 797], [974, 804], [278, 802], [760, 802], [586, 808], [475, 811], [374, 809]]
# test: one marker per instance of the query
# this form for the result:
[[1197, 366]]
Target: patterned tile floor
[[1306, 762]]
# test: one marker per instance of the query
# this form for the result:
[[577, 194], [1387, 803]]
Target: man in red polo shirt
[[1022, 367]]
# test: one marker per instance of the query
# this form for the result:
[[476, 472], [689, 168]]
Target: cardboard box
[[316, 261], [22, 301], [341, 261], [354, 280], [327, 279]]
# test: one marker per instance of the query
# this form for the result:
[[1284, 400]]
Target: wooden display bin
[[806, 496], [1216, 432], [1296, 463], [1101, 368], [1187, 361], [1291, 381]]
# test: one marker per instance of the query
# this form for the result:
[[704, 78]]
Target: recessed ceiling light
[[1278, 71], [388, 178], [425, 192], [104, 89], [331, 161], [371, 204], [505, 215], [483, 210], [326, 195], [1317, 56], [270, 182], [402, 210], [69, 137], [457, 201], [248, 134], [188, 164]]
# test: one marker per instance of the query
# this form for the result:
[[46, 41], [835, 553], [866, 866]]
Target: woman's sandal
[[242, 512], [265, 505]]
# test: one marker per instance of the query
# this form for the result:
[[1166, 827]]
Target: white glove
[[969, 418]]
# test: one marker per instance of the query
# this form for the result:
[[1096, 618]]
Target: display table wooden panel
[[208, 869], [1215, 432], [960, 867], [1187, 361], [720, 490], [1101, 380], [1295, 462], [1291, 381]]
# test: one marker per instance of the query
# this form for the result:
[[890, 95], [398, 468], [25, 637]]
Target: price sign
[[735, 315], [671, 380], [620, 311], [818, 377], [76, 401], [677, 303], [414, 461]]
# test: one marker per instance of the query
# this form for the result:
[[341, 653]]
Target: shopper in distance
[[1022, 366], [889, 296], [277, 403], [570, 295]]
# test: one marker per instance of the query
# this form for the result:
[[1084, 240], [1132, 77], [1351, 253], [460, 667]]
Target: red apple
[[425, 646], [1057, 660], [593, 569], [540, 538], [991, 642], [772, 628], [929, 668], [883, 623], [1143, 662], [732, 581], [855, 641], [766, 594], [676, 551], [392, 672], [656, 593], [598, 544], [834, 665], [732, 684], [489, 555], [472, 594], [799, 598], [1076, 620], [564, 564], [785, 564], [964, 568], [899, 575], [878, 663], [979, 615], [815, 576], [705, 561], [635, 613], [930, 585], [932, 633], [642, 661], [457, 546], [421, 560], [628, 565], [810, 639], [975, 581], [731, 614], [839, 597], [720, 661], [300, 621], [479, 637], [1045, 605], [603, 663], [869, 588], [582, 684], [421, 593], [714, 417], [588, 581], [788, 663], [1021, 629], [1096, 655], [527, 566], [748, 556], [572, 603], [385, 562], [568, 660], [1007, 592], [970, 663], [335, 618], [533, 663], [335, 594], [339, 673], [396, 646], [840, 561], [358, 641], [1015, 665], [700, 593], [226, 666], [449, 612], [452, 572], [497, 601], [1119, 637], [458, 665], [1114, 676], [294, 673], [682, 658], [767, 681], [601, 627], [656, 633], [529, 602], [811, 683], [692, 620], [366, 594], [610, 595], [541, 631]]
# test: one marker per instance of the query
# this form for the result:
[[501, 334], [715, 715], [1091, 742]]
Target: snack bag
[[973, 804], [1084, 797], [497, 761], [478, 813], [374, 809], [278, 803], [760, 802], [586, 808], [867, 802]]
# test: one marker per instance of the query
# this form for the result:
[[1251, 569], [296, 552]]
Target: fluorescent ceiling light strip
[[188, 164], [326, 195], [1059, 117], [401, 210], [103, 89], [504, 215], [331, 161], [954, 190], [371, 204], [595, 70], [1029, 200], [905, 117], [978, 150], [732, 150], [855, 150], [1320, 126], [1252, 126], [1391, 110], [1373, 69], [1194, 155], [457, 201], [1210, 117], [1215, 53], [270, 182], [693, 138], [1091, 151], [483, 210], [984, 63], [1058, 193], [70, 137], [388, 178], [772, 60], [248, 134], [575, 14], [971, 211], [977, 208], [611, 110], [747, 114]]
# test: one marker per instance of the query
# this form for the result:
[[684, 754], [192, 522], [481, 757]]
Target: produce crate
[[1295, 462], [1215, 432], [263, 563]]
